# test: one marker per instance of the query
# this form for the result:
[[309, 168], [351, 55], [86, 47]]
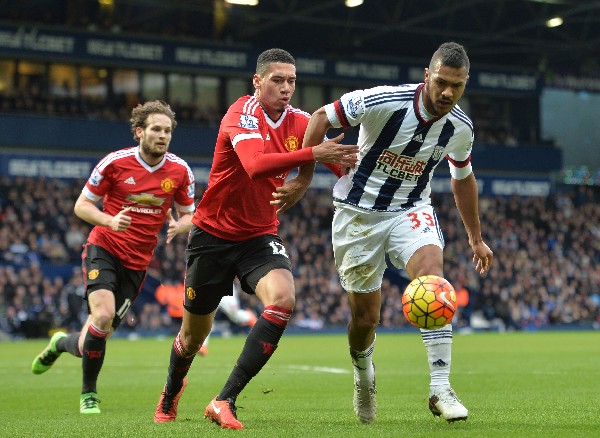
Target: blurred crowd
[[34, 101], [546, 273], [62, 101]]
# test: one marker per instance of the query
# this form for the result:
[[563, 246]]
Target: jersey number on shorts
[[414, 218], [124, 308], [278, 249]]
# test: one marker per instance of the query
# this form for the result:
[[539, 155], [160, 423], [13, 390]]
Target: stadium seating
[[546, 271]]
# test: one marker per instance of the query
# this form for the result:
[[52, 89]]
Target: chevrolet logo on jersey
[[145, 199]]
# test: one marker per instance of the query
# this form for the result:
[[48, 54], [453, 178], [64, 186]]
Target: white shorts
[[361, 240]]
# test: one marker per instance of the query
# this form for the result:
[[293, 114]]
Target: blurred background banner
[[72, 167], [90, 47]]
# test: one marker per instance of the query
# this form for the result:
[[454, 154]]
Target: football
[[429, 302]]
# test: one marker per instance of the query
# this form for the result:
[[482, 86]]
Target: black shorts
[[102, 270], [213, 263]]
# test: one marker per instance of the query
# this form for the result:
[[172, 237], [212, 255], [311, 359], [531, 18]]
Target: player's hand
[[120, 222], [482, 257], [173, 226], [331, 151], [288, 194]]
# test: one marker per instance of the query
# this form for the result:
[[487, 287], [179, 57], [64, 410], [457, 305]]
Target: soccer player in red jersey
[[138, 186], [235, 230]]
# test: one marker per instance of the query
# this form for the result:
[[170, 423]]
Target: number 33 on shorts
[[420, 219]]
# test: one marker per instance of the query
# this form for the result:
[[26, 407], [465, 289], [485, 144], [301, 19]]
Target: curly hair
[[270, 56], [140, 114]]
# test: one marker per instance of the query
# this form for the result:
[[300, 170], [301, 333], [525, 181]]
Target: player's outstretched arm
[[328, 151], [260, 165], [293, 190], [333, 152], [466, 198]]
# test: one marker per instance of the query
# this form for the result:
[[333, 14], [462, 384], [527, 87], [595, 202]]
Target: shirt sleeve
[[260, 165], [185, 196], [347, 110], [460, 158], [244, 131], [99, 183], [335, 169]]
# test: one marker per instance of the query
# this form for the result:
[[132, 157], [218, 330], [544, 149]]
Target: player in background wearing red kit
[[137, 185], [235, 230]]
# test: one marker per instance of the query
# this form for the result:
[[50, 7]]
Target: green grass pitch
[[542, 384]]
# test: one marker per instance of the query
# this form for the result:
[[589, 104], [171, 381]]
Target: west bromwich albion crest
[[438, 153]]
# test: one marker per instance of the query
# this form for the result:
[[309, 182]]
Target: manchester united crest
[[93, 274], [167, 185], [291, 143], [191, 293]]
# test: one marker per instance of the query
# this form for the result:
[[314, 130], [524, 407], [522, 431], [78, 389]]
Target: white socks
[[438, 344], [363, 363]]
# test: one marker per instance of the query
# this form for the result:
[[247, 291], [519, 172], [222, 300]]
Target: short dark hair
[[139, 115], [452, 55], [270, 56]]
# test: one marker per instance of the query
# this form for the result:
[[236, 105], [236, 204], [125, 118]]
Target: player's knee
[[366, 322], [285, 300], [103, 319], [192, 340], [427, 260]]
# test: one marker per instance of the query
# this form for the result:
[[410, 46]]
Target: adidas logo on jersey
[[268, 137], [129, 180], [418, 138]]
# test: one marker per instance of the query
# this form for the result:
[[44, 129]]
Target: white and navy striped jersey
[[399, 147]]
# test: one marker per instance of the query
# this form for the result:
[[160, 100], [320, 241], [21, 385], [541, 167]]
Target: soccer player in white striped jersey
[[383, 207]]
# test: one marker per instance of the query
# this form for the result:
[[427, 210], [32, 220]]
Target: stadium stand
[[547, 273]]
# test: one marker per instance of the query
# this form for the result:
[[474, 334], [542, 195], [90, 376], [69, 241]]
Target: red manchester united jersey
[[236, 206], [123, 179]]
